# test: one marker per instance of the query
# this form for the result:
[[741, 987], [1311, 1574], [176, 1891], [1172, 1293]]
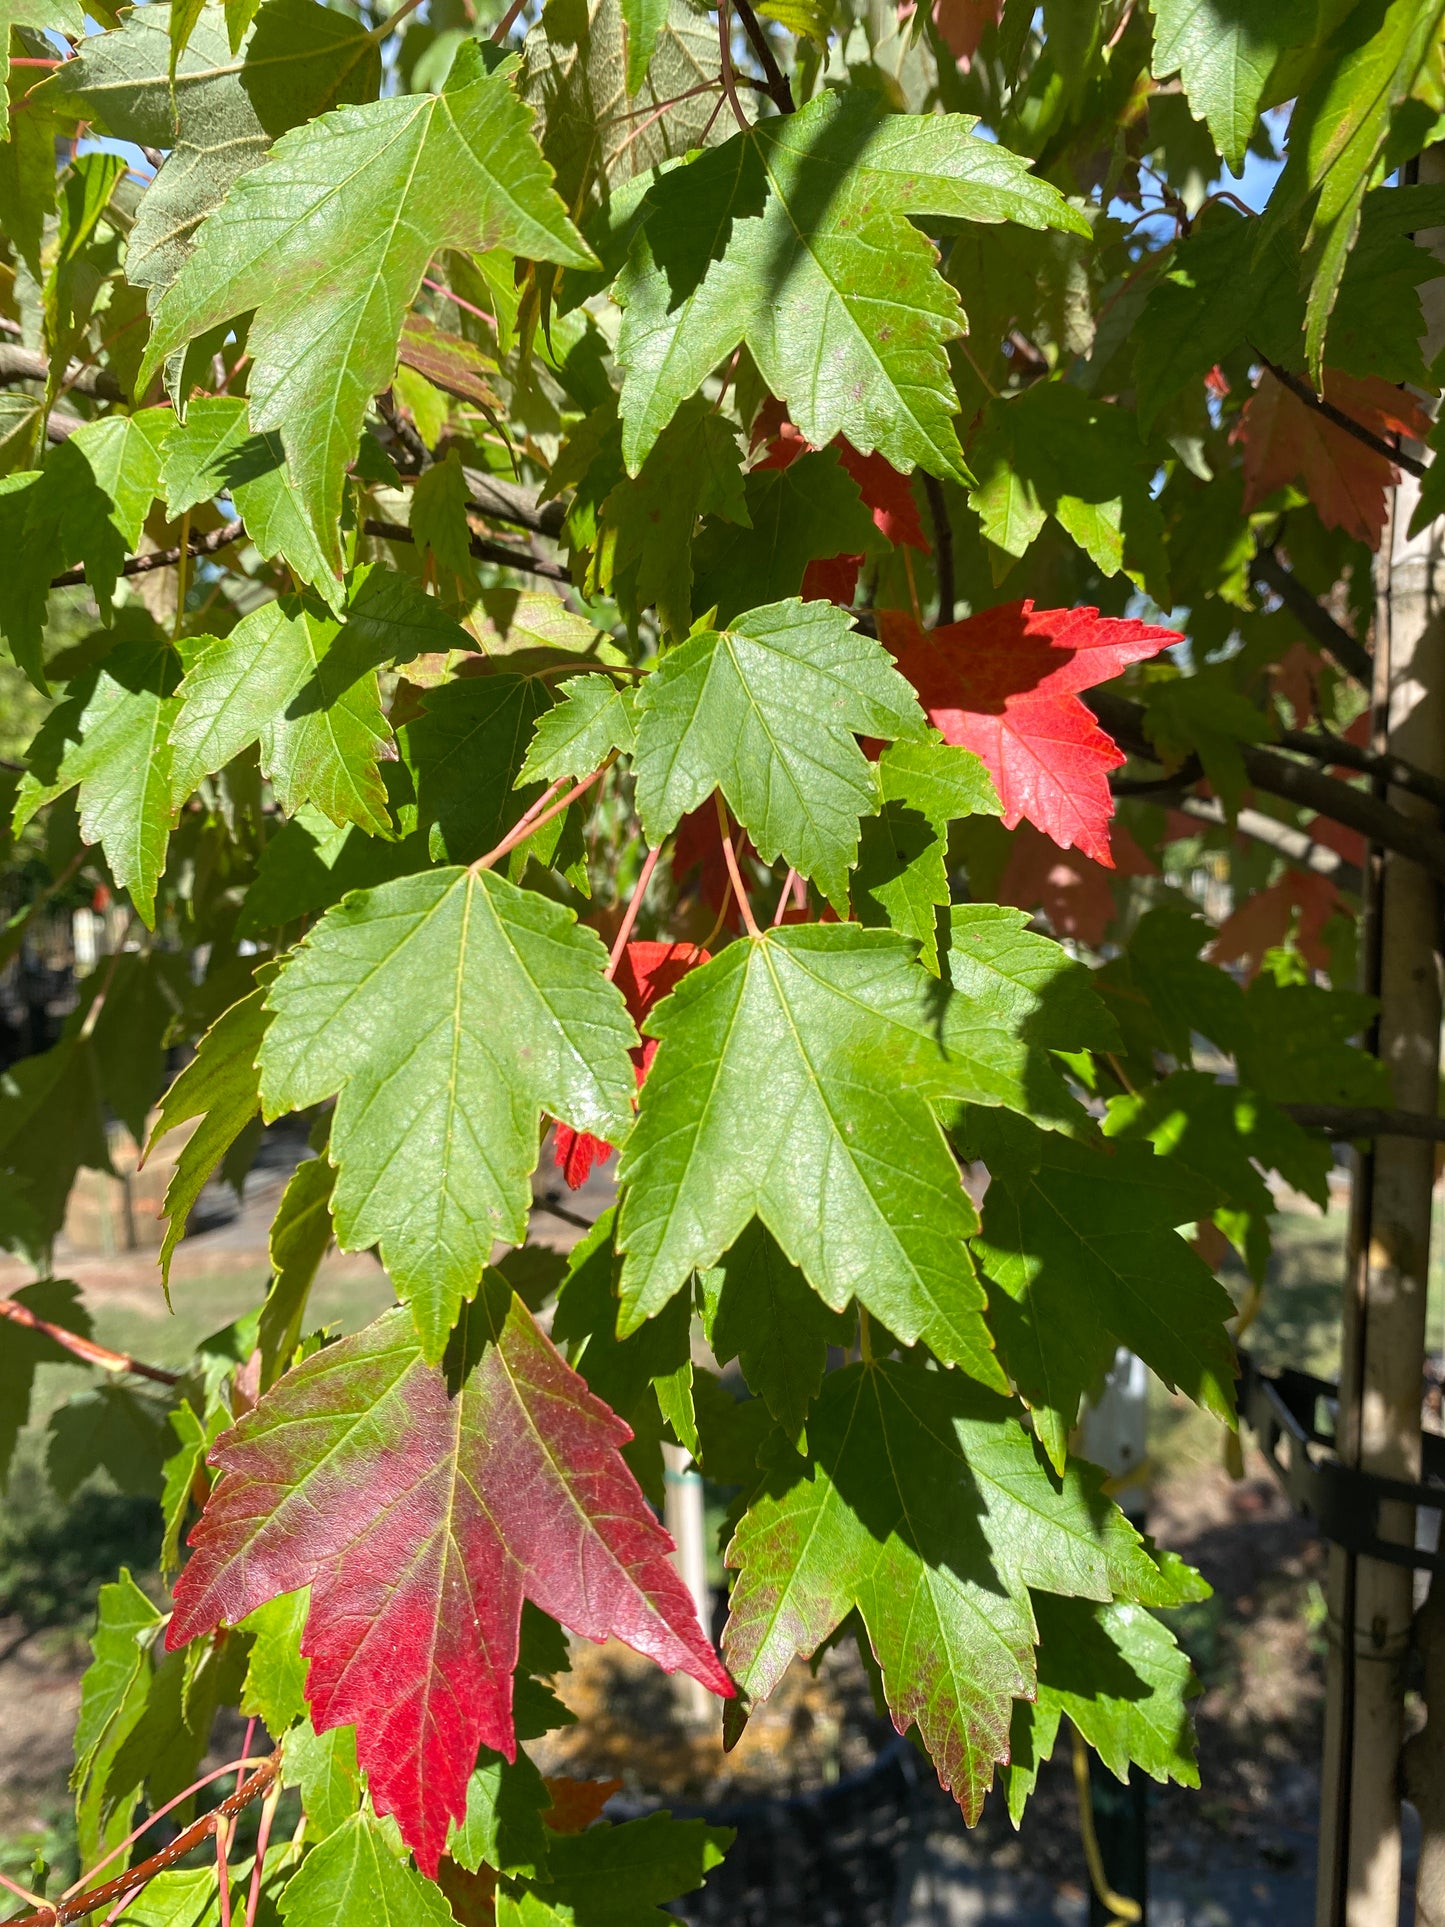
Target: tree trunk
[[1381, 1381]]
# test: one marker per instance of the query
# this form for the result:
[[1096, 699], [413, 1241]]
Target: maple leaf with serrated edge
[[797, 237], [466, 1490], [475, 1006], [331, 274], [58, 1302], [110, 739], [617, 1876], [646, 972], [1224, 57], [1084, 1255], [765, 711], [1118, 1673], [1006, 685], [939, 1568], [59, 16], [789, 1071], [1285, 440], [591, 717]]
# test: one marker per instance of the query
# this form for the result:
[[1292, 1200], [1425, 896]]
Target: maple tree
[[727, 585]]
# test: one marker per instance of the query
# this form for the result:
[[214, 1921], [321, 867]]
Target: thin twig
[[1312, 616], [734, 873], [1324, 748], [942, 547], [505, 24], [75, 1905], [483, 550], [778, 89], [83, 1348], [1302, 391], [522, 829], [629, 916], [161, 558], [1345, 1121]]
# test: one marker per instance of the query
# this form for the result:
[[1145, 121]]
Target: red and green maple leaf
[[1284, 440], [645, 975], [421, 1506], [1006, 685]]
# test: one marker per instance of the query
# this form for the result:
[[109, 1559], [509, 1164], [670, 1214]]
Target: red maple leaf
[[1301, 900], [887, 495], [1005, 685], [421, 1506], [1285, 440], [1073, 891], [645, 975]]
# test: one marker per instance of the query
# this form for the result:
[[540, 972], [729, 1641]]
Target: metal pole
[[683, 1516], [1381, 1383]]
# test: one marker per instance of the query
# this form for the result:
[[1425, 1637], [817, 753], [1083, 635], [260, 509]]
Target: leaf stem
[[83, 1348], [725, 65], [439, 287], [392, 22], [942, 548], [21, 1893], [865, 1336], [183, 558], [521, 830], [629, 916], [1122, 1911], [734, 873], [505, 24], [789, 882], [223, 1872], [263, 1840]]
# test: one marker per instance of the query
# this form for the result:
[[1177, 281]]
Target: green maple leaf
[[475, 1006], [1226, 1134], [1119, 1675], [808, 511], [439, 523], [214, 453], [503, 1825], [221, 1087], [646, 554], [617, 1876], [58, 1302], [301, 682], [765, 711], [311, 863], [1296, 1045], [56, 16], [88, 504], [299, 1238], [790, 1070], [1224, 57], [1084, 1257], [110, 739], [759, 1309], [1053, 450], [323, 1768], [328, 241], [796, 237], [901, 878], [355, 1873], [923, 1503], [51, 1122], [113, 1694], [592, 716], [1020, 997]]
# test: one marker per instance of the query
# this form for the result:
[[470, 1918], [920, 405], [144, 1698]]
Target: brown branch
[[1323, 748], [1309, 789], [1345, 1121], [1296, 846], [84, 1348], [483, 550], [1313, 617], [778, 90], [161, 558], [942, 547], [1302, 391], [503, 501], [25, 364], [79, 1905]]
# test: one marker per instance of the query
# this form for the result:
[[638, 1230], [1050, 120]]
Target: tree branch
[[1302, 391], [77, 1906], [161, 558], [1345, 1121], [1323, 748], [778, 88], [25, 364], [1298, 846], [503, 501], [84, 1348], [1351, 655], [1310, 789], [483, 550], [942, 547]]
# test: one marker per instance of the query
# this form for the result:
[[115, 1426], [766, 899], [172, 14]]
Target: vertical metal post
[[1381, 1381], [683, 1517]]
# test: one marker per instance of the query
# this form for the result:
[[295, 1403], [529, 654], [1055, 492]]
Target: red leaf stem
[[85, 1348], [734, 874]]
